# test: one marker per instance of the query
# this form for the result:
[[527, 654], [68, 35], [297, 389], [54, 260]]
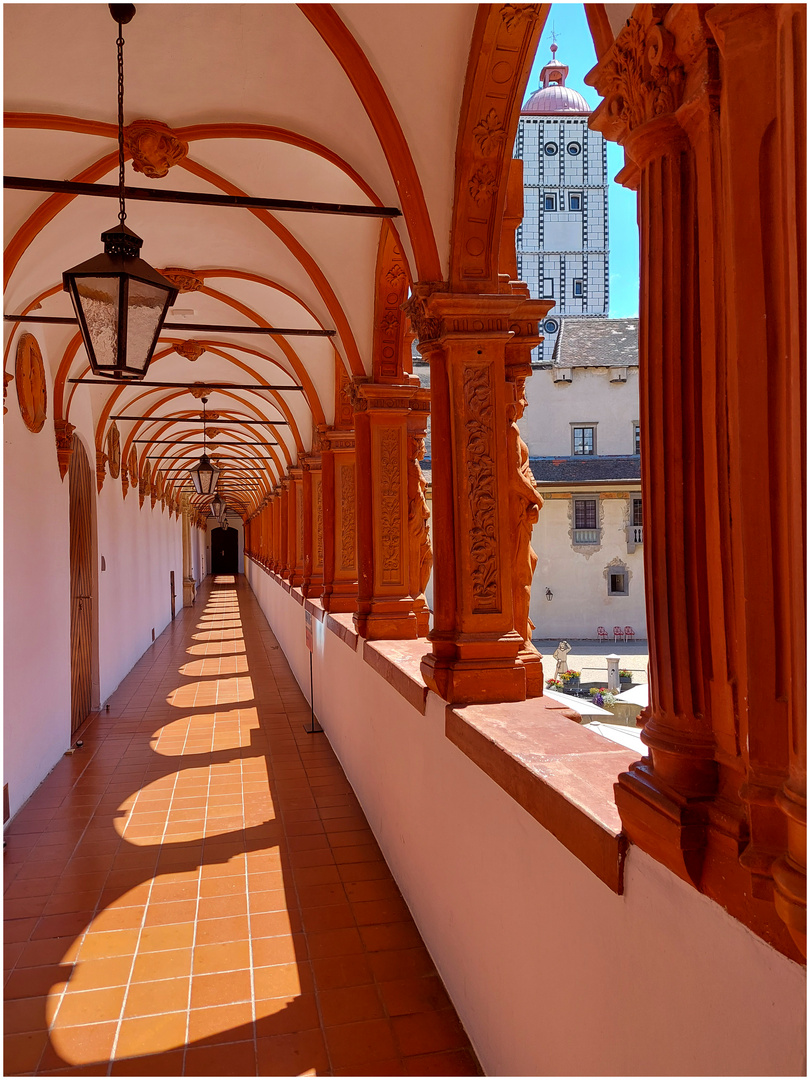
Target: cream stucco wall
[[131, 597], [578, 575], [590, 398], [550, 971]]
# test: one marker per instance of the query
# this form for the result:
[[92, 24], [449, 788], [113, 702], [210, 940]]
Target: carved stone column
[[420, 549], [189, 584], [285, 533], [338, 470], [384, 602], [295, 534], [475, 646], [312, 584]]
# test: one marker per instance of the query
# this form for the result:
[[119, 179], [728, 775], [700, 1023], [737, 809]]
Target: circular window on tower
[[551, 149], [550, 326], [574, 148]]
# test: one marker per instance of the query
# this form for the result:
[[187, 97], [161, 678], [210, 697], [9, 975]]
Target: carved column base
[[422, 617], [189, 591], [312, 588], [665, 824], [339, 600], [392, 620], [533, 663], [473, 672], [790, 870]]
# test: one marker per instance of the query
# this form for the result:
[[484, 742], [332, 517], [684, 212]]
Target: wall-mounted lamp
[[549, 594], [120, 300]]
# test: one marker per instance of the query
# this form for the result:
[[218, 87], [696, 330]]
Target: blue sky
[[577, 51]]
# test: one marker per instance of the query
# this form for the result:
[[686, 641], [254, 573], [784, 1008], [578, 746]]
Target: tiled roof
[[581, 470], [596, 343]]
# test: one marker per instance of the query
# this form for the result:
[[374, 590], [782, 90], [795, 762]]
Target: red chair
[[601, 633], [629, 633], [618, 633]]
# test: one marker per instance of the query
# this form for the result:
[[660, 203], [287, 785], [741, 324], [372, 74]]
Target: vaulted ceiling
[[353, 104]]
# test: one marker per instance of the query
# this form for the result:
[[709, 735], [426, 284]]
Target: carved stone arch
[[390, 322], [503, 45]]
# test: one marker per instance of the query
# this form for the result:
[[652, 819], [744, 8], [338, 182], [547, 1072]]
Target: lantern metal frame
[[204, 468], [119, 262]]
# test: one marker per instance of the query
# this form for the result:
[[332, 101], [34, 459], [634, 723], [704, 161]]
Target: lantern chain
[[120, 43]]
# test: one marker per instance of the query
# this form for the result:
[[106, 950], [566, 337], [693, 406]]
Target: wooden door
[[81, 586], [224, 551]]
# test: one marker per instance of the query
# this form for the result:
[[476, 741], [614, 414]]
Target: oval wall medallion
[[29, 375], [133, 466], [114, 451]]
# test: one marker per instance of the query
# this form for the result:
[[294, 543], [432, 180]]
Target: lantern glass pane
[[144, 311], [99, 298]]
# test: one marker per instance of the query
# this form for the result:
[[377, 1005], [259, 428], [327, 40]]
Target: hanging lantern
[[120, 301], [204, 474], [216, 506], [224, 522]]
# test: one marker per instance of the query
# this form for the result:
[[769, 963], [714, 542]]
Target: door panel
[[81, 587], [224, 551]]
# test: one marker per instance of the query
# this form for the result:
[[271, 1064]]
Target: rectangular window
[[617, 583], [584, 513], [577, 286], [548, 286], [584, 440], [575, 201], [637, 512], [636, 439], [550, 201]]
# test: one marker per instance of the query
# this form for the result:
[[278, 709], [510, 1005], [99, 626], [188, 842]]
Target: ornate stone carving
[[7, 378], [144, 483], [489, 134], [154, 147], [189, 350], [640, 78], [133, 466], [483, 185], [514, 14], [114, 450], [421, 553], [299, 523], [390, 496], [525, 503], [481, 487], [32, 392], [64, 444], [319, 521], [101, 472], [348, 541], [183, 280], [426, 327], [344, 413]]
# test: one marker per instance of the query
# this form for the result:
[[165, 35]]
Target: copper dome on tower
[[554, 96]]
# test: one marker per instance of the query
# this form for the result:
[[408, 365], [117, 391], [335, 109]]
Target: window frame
[[578, 282], [575, 195], [579, 426], [618, 571], [549, 196]]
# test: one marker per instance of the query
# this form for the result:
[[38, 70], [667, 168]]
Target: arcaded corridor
[[195, 891]]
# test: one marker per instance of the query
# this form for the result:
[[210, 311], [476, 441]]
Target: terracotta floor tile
[[36, 982], [282, 980], [349, 1004], [222, 907], [151, 1034], [221, 1023], [166, 914], [159, 938], [333, 917], [292, 1055], [233, 1059], [275, 923], [388, 936], [159, 996], [429, 1032], [96, 974], [220, 988], [450, 1063], [48, 951], [231, 956], [279, 950], [168, 1064], [393, 1067], [109, 943], [24, 1014], [363, 1043], [21, 1052], [90, 1006], [401, 964], [82, 1045], [173, 963]]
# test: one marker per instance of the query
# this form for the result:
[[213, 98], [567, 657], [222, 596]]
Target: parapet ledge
[[560, 773], [399, 664], [342, 624]]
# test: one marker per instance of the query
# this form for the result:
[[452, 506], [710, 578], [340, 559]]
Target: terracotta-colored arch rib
[[375, 101]]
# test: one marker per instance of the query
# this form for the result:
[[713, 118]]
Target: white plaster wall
[[576, 576], [589, 398], [36, 596], [141, 546], [551, 972]]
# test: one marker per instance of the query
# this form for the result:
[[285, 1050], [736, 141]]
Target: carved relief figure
[[114, 450], [421, 553], [525, 503], [32, 393], [154, 147]]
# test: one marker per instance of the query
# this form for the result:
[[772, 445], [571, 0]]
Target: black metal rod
[[196, 420], [193, 198], [188, 442], [284, 331], [185, 386]]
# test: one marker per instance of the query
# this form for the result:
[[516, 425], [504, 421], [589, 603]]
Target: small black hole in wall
[[103, 563], [153, 633]]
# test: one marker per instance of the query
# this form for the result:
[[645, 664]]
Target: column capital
[[437, 314], [382, 397]]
